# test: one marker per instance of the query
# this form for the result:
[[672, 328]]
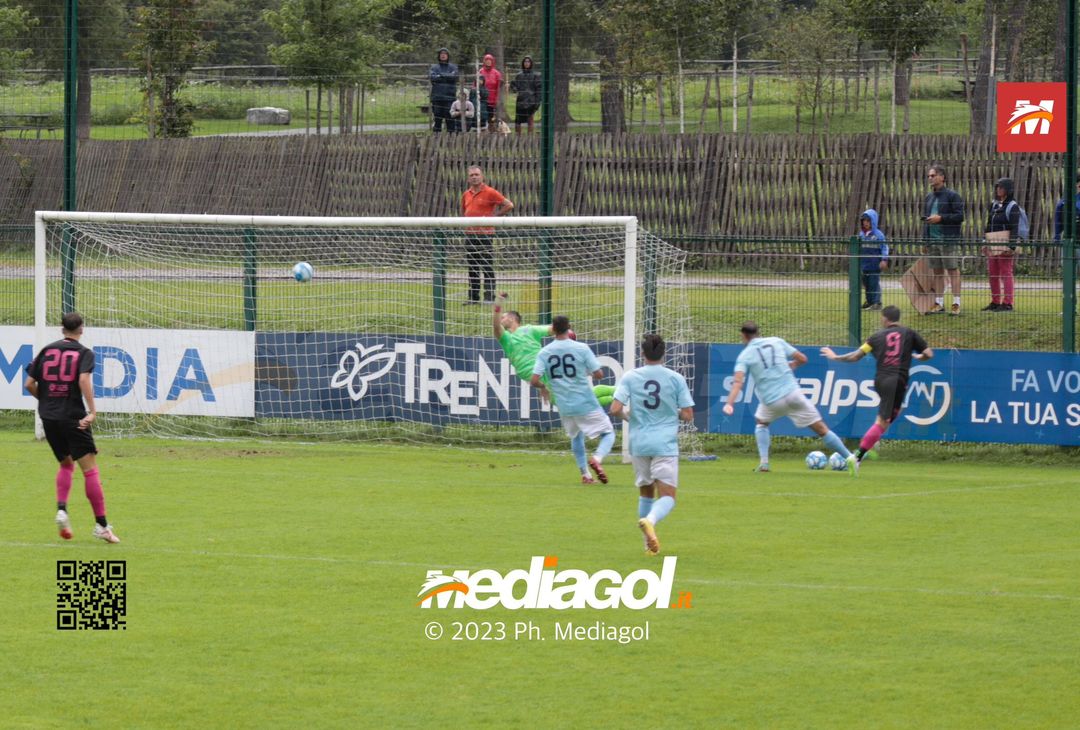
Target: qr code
[[91, 594]]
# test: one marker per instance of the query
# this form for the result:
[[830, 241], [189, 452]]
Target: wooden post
[[877, 101], [967, 78], [704, 105], [749, 101], [719, 103], [660, 103]]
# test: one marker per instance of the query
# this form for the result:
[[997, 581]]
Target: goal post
[[200, 329]]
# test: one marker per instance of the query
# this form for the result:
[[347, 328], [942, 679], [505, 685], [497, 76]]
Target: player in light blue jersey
[[770, 362], [657, 398], [569, 368]]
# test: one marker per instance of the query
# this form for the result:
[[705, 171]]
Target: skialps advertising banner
[[959, 395]]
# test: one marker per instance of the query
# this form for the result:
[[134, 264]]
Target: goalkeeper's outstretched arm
[[496, 315]]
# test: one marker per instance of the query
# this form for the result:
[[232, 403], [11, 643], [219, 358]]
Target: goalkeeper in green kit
[[522, 343]]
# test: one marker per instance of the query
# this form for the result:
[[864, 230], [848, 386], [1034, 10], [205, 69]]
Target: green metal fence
[[811, 292]]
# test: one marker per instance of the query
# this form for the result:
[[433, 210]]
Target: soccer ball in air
[[302, 271], [816, 460], [837, 462]]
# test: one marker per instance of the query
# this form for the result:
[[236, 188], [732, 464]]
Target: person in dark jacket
[[943, 212], [873, 257], [1004, 216], [528, 87], [444, 80], [1059, 217], [1059, 213]]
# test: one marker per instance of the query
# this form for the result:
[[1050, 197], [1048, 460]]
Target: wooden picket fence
[[720, 185]]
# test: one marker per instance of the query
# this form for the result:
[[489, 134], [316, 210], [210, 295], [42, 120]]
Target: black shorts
[[523, 114], [891, 390], [67, 439]]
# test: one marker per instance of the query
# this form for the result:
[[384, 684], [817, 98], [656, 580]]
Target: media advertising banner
[[177, 372], [959, 395]]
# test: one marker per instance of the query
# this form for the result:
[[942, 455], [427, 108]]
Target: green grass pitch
[[274, 585]]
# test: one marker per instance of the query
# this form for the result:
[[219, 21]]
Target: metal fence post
[[251, 278], [438, 285], [854, 291]]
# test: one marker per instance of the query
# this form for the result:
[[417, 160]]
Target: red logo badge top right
[[1031, 117]]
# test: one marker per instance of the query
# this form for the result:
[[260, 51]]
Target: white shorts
[[794, 405], [649, 469], [592, 424]]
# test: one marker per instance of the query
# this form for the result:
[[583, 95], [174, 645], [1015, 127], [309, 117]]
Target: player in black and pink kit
[[60, 379], [894, 347]]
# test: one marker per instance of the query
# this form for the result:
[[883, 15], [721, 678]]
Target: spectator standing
[[1004, 217], [463, 113], [444, 81], [1059, 213], [873, 257], [481, 200], [491, 78], [943, 212], [529, 89]]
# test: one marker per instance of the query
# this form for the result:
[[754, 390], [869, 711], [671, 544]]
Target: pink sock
[[871, 437], [94, 493], [63, 482]]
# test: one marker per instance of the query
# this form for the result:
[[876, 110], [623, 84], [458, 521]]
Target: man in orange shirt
[[483, 201]]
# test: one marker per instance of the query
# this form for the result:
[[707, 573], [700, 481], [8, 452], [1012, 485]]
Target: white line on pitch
[[890, 495]]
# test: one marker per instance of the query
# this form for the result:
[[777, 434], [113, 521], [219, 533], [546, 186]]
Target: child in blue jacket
[[873, 257]]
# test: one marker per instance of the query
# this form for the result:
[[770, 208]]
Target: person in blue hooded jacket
[[873, 257]]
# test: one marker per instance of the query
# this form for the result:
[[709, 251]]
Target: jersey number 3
[[652, 399]]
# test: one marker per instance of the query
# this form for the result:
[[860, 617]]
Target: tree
[[807, 44], [331, 42], [15, 25], [901, 28], [102, 41], [167, 44], [238, 31]]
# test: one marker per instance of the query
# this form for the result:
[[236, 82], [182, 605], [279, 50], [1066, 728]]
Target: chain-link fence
[[162, 68]]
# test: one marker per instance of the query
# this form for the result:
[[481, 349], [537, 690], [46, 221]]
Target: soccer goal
[[200, 328]]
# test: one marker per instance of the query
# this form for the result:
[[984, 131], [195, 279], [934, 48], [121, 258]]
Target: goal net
[[200, 328]]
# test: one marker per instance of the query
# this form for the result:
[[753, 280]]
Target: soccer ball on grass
[[816, 460], [837, 462]]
